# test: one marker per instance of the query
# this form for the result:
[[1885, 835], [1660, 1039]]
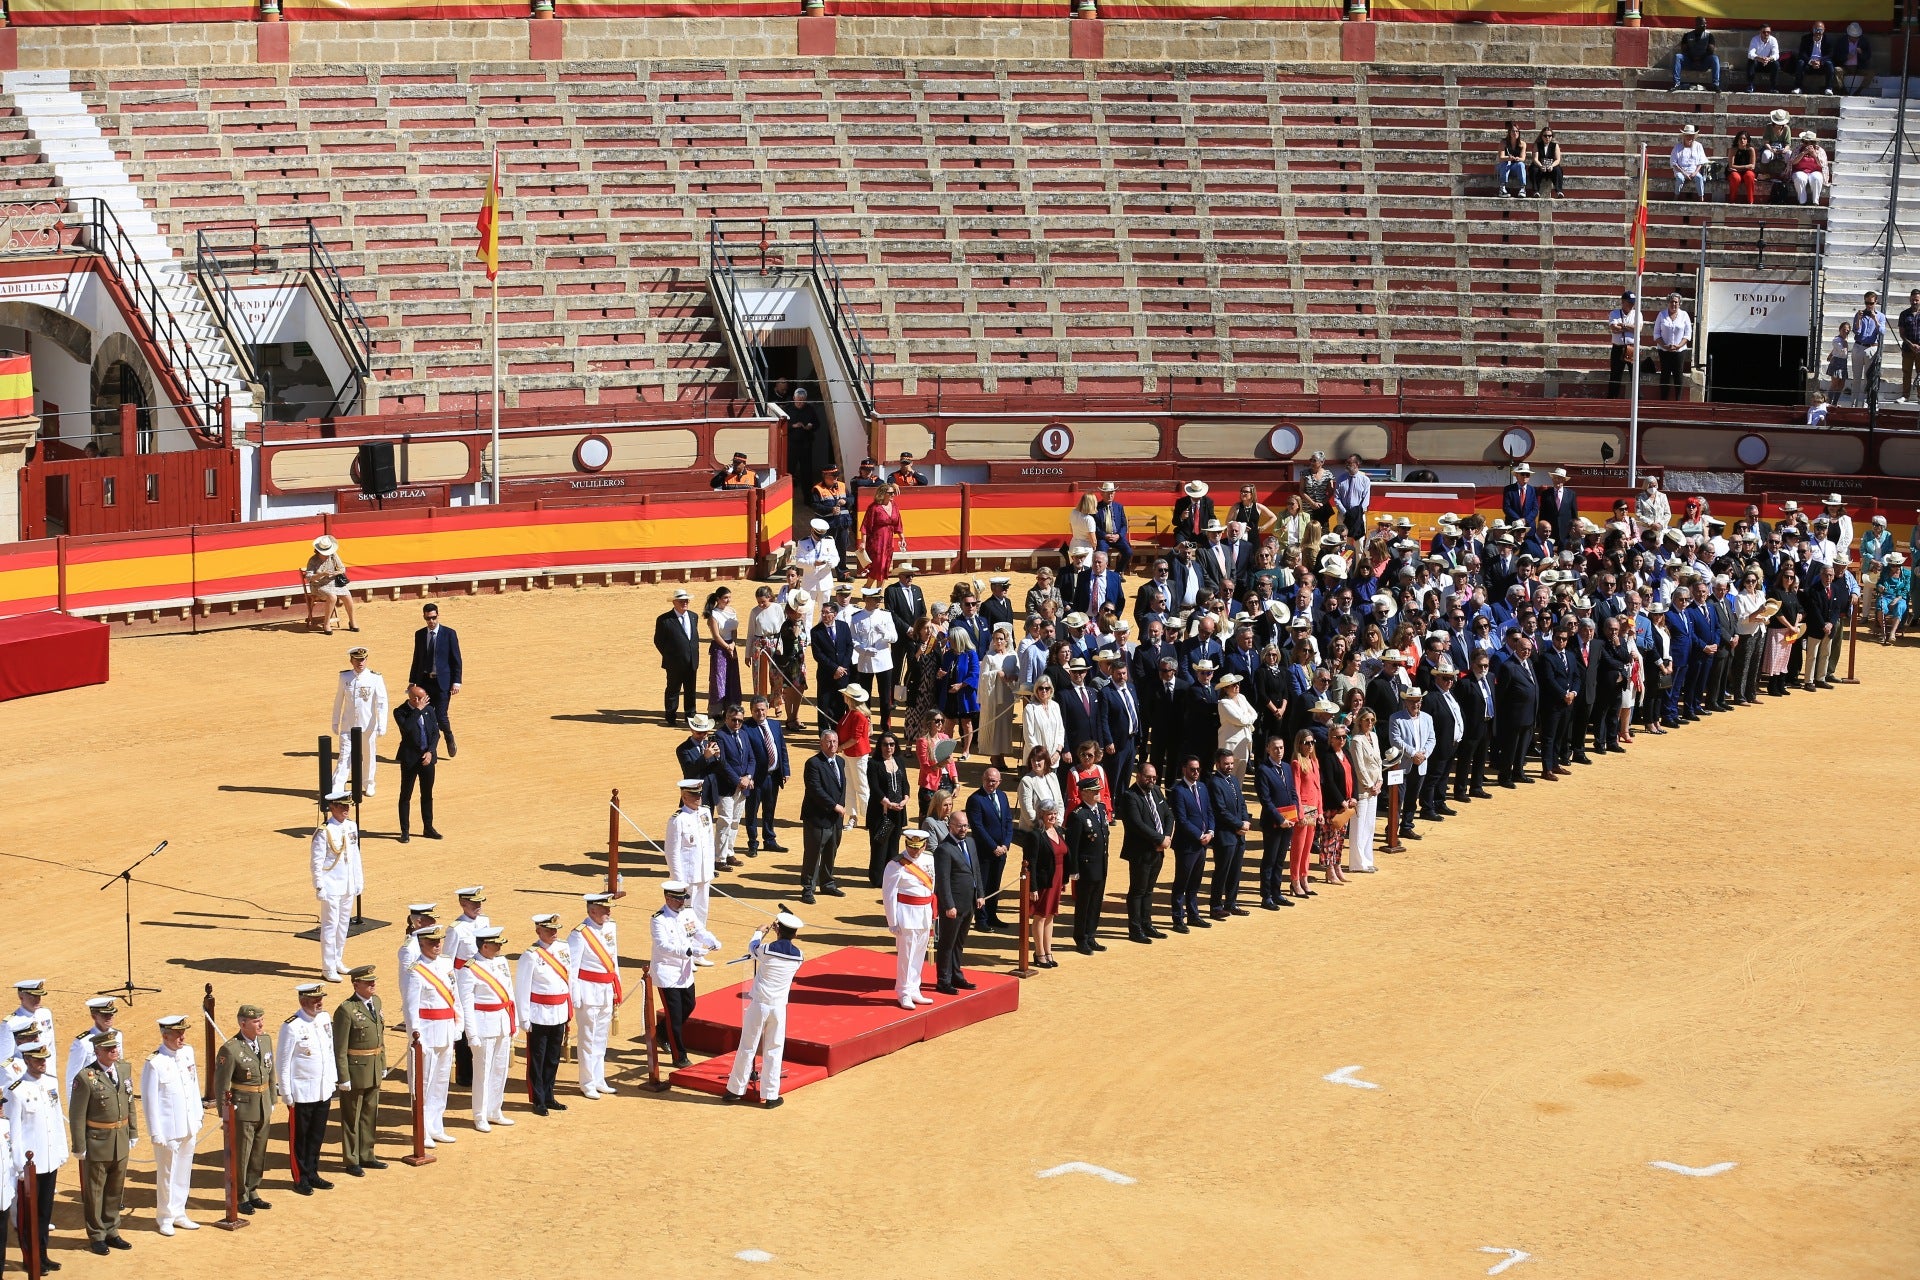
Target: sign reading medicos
[[1737, 306]]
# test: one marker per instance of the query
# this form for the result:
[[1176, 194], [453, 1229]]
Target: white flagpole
[[495, 359], [1639, 287]]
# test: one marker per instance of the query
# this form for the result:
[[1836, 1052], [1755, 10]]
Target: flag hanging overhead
[[1640, 220], [488, 223]]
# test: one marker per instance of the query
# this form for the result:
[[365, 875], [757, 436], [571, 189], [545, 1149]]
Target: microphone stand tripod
[[127, 989]]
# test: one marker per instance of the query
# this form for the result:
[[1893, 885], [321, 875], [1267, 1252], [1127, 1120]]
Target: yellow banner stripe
[[174, 571], [30, 583], [454, 545], [286, 558]]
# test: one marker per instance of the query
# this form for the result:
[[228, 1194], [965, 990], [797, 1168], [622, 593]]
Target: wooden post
[[419, 1092], [1393, 844], [1853, 638], [613, 842], [1026, 925], [654, 1081], [229, 1142], [29, 1218], [213, 1049]]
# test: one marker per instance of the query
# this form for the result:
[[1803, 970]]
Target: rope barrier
[[663, 853]]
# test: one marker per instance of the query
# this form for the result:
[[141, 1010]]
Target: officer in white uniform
[[32, 993], [19, 1031], [37, 1123], [419, 916], [433, 1011], [338, 879], [679, 939], [80, 1050], [9, 1179], [763, 1024], [543, 1002], [817, 558], [874, 636], [594, 950], [460, 947], [170, 1105], [360, 702], [690, 848], [906, 891], [307, 1071], [485, 987]]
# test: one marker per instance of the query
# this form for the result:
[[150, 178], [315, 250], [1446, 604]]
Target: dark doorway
[[121, 386], [1756, 368], [56, 505]]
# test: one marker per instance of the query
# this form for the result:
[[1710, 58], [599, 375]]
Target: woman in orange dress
[[882, 534], [1304, 760]]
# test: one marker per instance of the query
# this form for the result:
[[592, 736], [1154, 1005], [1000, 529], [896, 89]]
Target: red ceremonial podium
[[45, 652], [842, 1012]]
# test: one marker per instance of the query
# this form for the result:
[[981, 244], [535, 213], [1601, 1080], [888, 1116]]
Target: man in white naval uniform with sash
[[690, 847], [594, 951], [485, 987], [460, 950], [543, 1002], [763, 1024], [359, 702], [906, 891], [170, 1098], [308, 1072], [433, 1011], [338, 878]]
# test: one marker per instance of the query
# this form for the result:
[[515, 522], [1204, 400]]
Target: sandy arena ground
[[1702, 952]]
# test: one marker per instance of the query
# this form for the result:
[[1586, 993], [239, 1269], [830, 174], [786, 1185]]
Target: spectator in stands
[[1743, 160], [1894, 594], [1689, 163], [1817, 411], [1696, 53], [1869, 333], [1353, 494], [1110, 528], [326, 576], [1251, 512], [1651, 509], [1081, 525], [1763, 59], [868, 478], [1909, 334], [1852, 57], [1811, 172], [1673, 338], [1317, 488], [1776, 145], [736, 477], [1546, 168], [1510, 162], [809, 449], [1623, 333], [904, 476], [1815, 59], [1837, 363], [1192, 512]]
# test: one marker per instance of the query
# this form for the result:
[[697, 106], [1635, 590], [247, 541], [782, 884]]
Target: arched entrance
[[117, 383]]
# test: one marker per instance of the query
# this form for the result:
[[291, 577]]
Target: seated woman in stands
[[1547, 167], [1811, 172], [1510, 162], [1743, 162]]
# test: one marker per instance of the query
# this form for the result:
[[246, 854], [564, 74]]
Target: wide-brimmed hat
[[1196, 488], [1808, 135], [1779, 115], [325, 544]]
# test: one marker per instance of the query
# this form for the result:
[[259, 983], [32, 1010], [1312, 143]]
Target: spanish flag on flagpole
[[1640, 219], [488, 223]]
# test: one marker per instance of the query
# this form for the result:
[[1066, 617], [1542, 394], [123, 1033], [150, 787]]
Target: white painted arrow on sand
[[1081, 1166], [1704, 1171], [1345, 1076], [1513, 1257]]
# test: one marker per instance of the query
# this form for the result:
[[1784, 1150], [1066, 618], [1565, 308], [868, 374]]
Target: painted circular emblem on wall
[[1056, 441], [592, 454], [1752, 450], [1516, 442], [1284, 440]]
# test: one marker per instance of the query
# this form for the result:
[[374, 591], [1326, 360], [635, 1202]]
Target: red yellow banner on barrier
[[29, 577], [1243, 9], [104, 13], [932, 520], [378, 10], [240, 561], [114, 571], [1796, 17], [776, 515], [1563, 13]]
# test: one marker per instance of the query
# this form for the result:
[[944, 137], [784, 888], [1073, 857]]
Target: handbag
[[339, 579]]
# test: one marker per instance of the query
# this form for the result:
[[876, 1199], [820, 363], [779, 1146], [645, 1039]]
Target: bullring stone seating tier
[[1065, 226]]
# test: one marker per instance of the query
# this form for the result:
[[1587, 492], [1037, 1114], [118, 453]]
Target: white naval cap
[[598, 899], [472, 893], [173, 1022], [309, 989], [102, 1004], [787, 920], [675, 888], [423, 908], [32, 986], [339, 797], [547, 921], [691, 784], [492, 933]]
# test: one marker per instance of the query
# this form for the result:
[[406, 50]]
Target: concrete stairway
[[1857, 217], [84, 164]]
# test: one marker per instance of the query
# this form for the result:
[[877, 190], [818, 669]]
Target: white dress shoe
[[186, 1224], [906, 1002], [443, 1137], [166, 1228], [482, 1126], [590, 1093], [427, 1143], [501, 1120], [605, 1087]]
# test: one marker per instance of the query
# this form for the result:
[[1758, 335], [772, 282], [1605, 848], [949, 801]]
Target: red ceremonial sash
[[493, 984], [607, 962]]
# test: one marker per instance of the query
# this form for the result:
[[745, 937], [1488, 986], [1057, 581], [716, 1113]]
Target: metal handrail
[[203, 391], [340, 304], [221, 298]]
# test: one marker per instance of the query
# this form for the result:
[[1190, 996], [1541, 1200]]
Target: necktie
[[766, 731], [433, 653], [1153, 807], [1086, 703]]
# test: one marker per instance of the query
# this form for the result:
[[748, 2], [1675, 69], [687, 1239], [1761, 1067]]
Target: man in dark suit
[[1112, 590], [1146, 821], [1087, 865], [1557, 669], [1110, 527], [997, 608], [676, 635], [1162, 698], [699, 757], [1520, 501], [1220, 567], [1232, 821], [1560, 508], [908, 604], [832, 644], [420, 730], [1083, 708], [1125, 730], [437, 668], [771, 770], [1193, 827], [823, 815], [1586, 640], [1192, 512], [958, 894], [1516, 707], [991, 819], [1199, 713], [1447, 714]]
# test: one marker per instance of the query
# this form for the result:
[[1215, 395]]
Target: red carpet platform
[[842, 1011], [46, 652], [711, 1076]]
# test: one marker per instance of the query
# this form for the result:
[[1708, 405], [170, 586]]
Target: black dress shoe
[[1282, 901], [729, 1098], [320, 1183], [1154, 933], [1268, 904], [806, 899], [1134, 935], [777, 1102], [1178, 927], [452, 750], [1446, 811], [1239, 911], [431, 834], [1218, 915], [774, 846], [48, 1264], [1199, 923], [246, 1207], [1480, 795], [1507, 785], [946, 990], [355, 1171], [1084, 949], [540, 1111], [258, 1203], [679, 1064], [115, 1242], [100, 1246], [1099, 945], [373, 1164], [561, 1106], [964, 985], [405, 838], [833, 891], [302, 1189]]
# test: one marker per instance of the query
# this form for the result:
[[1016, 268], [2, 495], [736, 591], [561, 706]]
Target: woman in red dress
[[882, 534], [1046, 877], [1304, 760]]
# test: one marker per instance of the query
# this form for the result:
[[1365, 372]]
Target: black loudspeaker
[[378, 476]]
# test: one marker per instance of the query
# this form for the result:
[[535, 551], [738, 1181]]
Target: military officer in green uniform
[[360, 1050], [243, 1073], [103, 1129]]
